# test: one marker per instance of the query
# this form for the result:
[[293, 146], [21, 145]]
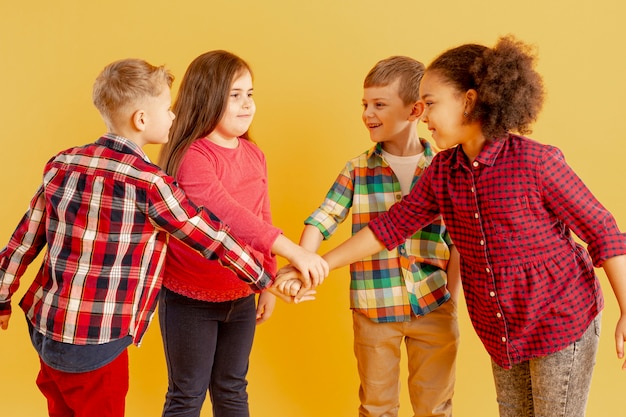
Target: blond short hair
[[407, 70], [124, 82]]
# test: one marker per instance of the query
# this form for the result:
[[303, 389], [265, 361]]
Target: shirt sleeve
[[24, 245], [568, 197], [336, 205], [170, 209], [417, 210]]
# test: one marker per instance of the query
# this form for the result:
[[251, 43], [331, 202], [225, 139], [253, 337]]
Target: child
[[400, 294], [101, 211], [509, 204], [213, 160]]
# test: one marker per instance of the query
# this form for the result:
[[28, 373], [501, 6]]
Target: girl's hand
[[620, 337], [313, 268], [265, 306]]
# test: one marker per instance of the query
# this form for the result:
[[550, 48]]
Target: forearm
[[364, 243], [311, 238], [284, 247], [615, 269]]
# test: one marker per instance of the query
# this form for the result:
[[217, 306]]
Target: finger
[[294, 287], [619, 345], [306, 279], [302, 293], [280, 278]]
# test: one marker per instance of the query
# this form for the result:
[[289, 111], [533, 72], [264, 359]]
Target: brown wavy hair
[[200, 103], [510, 91]]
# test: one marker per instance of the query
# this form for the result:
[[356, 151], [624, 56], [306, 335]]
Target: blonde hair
[[124, 82], [407, 70]]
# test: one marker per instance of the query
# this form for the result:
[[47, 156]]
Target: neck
[[230, 143], [409, 147]]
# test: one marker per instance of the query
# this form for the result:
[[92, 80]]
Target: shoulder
[[251, 147], [528, 148]]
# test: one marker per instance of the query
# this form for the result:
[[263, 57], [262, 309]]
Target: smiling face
[[239, 112], [385, 114], [443, 111]]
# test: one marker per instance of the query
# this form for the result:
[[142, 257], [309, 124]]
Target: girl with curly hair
[[510, 205]]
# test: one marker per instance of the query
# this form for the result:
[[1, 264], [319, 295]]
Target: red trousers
[[101, 392]]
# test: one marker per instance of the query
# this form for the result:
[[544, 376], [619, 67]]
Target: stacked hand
[[291, 284]]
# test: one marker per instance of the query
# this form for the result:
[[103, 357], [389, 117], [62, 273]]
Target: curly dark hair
[[510, 91]]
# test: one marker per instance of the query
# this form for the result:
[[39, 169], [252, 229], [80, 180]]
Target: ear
[[139, 120], [417, 110], [471, 97]]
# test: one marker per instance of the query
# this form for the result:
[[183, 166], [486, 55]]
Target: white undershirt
[[404, 167]]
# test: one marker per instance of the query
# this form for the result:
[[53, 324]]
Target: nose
[[172, 115]]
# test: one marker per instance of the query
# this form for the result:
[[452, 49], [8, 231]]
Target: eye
[[380, 105], [234, 95], [428, 103]]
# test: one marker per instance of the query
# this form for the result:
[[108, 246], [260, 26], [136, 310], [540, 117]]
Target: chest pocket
[[509, 217]]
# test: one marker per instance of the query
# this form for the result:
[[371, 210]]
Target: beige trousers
[[431, 344]]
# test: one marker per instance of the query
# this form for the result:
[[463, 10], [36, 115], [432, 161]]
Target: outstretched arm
[[362, 244]]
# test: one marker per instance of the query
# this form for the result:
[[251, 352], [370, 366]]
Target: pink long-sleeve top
[[233, 184]]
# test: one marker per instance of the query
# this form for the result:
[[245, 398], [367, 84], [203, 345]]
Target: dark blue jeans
[[207, 347]]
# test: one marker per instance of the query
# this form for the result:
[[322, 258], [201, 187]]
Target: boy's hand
[[4, 321], [286, 273], [289, 282], [307, 295]]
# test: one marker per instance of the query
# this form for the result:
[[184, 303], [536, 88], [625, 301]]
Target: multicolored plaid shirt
[[530, 288], [393, 284], [102, 211]]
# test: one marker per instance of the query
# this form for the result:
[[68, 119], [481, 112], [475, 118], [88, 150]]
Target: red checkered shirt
[[104, 213], [530, 289]]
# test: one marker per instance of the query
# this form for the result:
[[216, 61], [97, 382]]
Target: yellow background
[[309, 60]]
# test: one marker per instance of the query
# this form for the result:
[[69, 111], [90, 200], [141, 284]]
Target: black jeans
[[207, 347]]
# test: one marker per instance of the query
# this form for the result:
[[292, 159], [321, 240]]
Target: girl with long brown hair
[[207, 316]]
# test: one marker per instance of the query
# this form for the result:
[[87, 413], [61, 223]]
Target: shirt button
[[487, 270], [498, 315], [475, 164], [482, 243], [475, 215], [503, 339], [398, 197], [472, 189], [492, 294]]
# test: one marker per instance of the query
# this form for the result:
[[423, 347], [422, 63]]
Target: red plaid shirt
[[102, 211], [530, 289]]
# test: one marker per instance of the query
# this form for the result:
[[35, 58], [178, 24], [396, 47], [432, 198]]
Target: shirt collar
[[377, 150], [487, 155], [122, 144]]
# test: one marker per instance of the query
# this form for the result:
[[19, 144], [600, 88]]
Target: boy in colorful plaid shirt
[[104, 212], [403, 294]]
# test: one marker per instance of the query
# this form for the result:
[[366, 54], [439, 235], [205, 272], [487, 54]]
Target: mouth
[[373, 125]]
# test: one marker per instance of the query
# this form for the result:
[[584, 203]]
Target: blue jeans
[[207, 347], [556, 385]]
